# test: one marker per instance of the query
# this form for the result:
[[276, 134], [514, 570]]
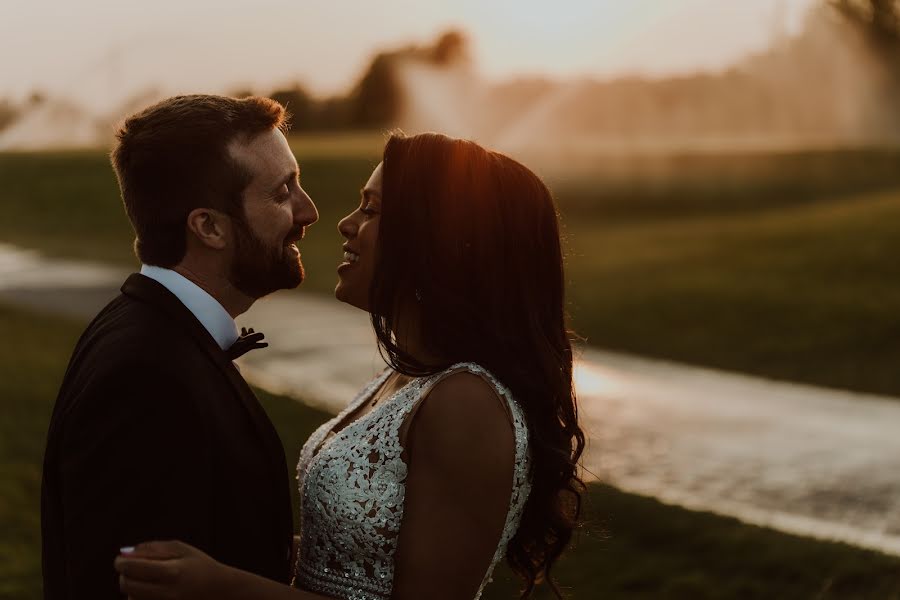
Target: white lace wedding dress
[[352, 491]]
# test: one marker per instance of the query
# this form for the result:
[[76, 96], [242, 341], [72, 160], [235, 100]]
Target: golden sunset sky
[[100, 52]]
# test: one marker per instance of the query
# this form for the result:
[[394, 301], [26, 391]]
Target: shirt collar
[[212, 315]]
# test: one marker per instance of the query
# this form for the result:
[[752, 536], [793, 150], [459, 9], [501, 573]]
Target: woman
[[464, 450]]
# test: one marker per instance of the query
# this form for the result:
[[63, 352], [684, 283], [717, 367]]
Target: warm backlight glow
[[103, 51]]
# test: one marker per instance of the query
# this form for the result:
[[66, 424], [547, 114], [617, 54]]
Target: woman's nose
[[347, 226]]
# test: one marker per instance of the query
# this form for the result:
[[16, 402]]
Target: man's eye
[[283, 192]]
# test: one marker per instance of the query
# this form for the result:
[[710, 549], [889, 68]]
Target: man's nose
[[305, 211]]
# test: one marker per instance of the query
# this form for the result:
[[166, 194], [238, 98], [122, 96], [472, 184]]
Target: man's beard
[[259, 270]]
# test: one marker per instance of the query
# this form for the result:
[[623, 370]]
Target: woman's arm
[[461, 456], [177, 571]]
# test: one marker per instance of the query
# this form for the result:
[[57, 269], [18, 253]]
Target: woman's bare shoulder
[[464, 421]]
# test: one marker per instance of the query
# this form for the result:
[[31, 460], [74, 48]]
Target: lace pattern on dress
[[353, 487]]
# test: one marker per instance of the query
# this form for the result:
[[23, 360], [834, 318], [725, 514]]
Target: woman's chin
[[342, 294]]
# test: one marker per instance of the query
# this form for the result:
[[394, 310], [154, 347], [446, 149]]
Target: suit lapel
[[152, 292]]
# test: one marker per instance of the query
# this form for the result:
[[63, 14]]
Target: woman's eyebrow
[[368, 194]]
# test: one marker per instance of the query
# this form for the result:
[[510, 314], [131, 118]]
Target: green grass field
[[805, 293], [630, 546], [781, 266]]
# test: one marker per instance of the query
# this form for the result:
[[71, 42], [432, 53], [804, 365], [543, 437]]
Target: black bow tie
[[248, 340]]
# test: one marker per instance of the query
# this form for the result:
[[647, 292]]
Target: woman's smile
[[350, 258]]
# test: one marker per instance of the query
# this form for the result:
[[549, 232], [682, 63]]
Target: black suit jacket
[[155, 435]]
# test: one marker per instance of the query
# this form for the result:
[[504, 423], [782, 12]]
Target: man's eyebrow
[[295, 174]]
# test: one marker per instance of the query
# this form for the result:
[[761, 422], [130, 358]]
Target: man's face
[[276, 213]]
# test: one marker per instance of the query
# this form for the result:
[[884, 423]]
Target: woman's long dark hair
[[472, 238]]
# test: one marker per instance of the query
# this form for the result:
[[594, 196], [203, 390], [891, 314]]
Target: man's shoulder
[[128, 332], [130, 346]]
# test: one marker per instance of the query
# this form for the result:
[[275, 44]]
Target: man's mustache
[[296, 234]]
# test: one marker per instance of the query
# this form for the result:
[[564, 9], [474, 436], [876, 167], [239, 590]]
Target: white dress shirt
[[212, 315]]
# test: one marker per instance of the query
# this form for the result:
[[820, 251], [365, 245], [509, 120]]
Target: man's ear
[[210, 227]]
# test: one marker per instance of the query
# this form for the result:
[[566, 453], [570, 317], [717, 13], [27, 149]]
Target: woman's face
[[360, 229]]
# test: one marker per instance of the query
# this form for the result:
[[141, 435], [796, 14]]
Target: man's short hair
[[172, 158]]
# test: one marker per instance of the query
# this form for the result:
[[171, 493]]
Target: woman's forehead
[[373, 185]]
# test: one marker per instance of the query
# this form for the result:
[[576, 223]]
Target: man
[[155, 435]]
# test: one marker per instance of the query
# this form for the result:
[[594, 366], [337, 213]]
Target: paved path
[[798, 458]]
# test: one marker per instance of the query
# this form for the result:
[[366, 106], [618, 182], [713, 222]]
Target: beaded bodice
[[352, 491]]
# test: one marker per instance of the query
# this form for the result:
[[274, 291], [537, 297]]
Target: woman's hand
[[170, 571]]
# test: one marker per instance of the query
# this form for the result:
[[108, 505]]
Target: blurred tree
[[377, 99], [9, 112], [879, 22], [300, 105], [451, 47], [333, 113], [36, 98], [241, 92], [880, 18]]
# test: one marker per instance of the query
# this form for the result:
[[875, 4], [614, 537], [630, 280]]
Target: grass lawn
[[805, 293], [781, 266], [630, 546]]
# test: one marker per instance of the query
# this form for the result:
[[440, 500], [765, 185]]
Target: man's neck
[[232, 300]]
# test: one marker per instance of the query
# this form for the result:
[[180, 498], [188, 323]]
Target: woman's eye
[[368, 210]]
